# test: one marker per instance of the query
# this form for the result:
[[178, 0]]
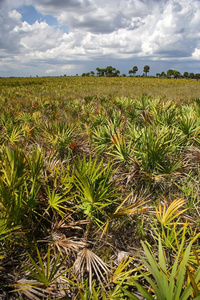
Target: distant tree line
[[176, 74], [108, 72], [112, 72]]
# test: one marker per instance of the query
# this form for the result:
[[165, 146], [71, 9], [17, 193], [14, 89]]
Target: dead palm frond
[[90, 262], [70, 244], [67, 244], [30, 289], [70, 225]]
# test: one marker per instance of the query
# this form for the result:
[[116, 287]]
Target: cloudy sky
[[57, 37]]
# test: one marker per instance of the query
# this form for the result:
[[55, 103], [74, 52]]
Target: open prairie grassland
[[99, 188]]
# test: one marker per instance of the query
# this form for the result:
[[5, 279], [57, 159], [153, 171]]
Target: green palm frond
[[166, 215], [45, 277], [101, 138], [59, 135], [121, 150], [167, 284], [6, 227], [56, 201], [154, 146], [14, 134], [94, 184]]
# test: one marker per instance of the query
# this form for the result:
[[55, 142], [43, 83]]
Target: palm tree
[[177, 74], [135, 69], [146, 69], [197, 76], [130, 72], [162, 74], [170, 73], [191, 75], [110, 71], [117, 72], [100, 72]]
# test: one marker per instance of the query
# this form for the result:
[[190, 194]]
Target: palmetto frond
[[6, 228], [135, 207], [166, 215], [121, 150], [90, 262], [101, 138], [93, 181], [31, 290], [168, 285], [56, 201], [45, 277], [67, 244], [154, 146], [14, 134], [59, 135], [168, 225]]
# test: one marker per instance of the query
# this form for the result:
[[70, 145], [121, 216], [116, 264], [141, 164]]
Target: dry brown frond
[[67, 244], [73, 225], [70, 244], [31, 290], [89, 261]]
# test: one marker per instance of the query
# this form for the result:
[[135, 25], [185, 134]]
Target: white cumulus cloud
[[101, 31]]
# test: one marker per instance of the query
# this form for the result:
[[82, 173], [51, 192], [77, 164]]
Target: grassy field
[[99, 188], [79, 87]]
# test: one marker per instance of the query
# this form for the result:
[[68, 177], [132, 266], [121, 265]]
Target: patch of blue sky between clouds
[[31, 15]]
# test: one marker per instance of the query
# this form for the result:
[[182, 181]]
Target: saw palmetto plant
[[154, 147], [47, 278], [189, 124], [120, 150], [165, 113], [59, 135], [101, 138], [164, 283], [95, 186]]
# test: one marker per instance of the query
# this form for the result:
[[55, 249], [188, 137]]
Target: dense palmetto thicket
[[99, 188]]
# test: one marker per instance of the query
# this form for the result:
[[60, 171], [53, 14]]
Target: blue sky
[[57, 37], [31, 15]]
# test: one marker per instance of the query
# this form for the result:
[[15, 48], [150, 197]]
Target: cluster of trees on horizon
[[113, 72]]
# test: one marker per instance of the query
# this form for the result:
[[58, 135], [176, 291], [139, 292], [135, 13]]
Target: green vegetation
[[133, 71], [112, 72], [99, 187]]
